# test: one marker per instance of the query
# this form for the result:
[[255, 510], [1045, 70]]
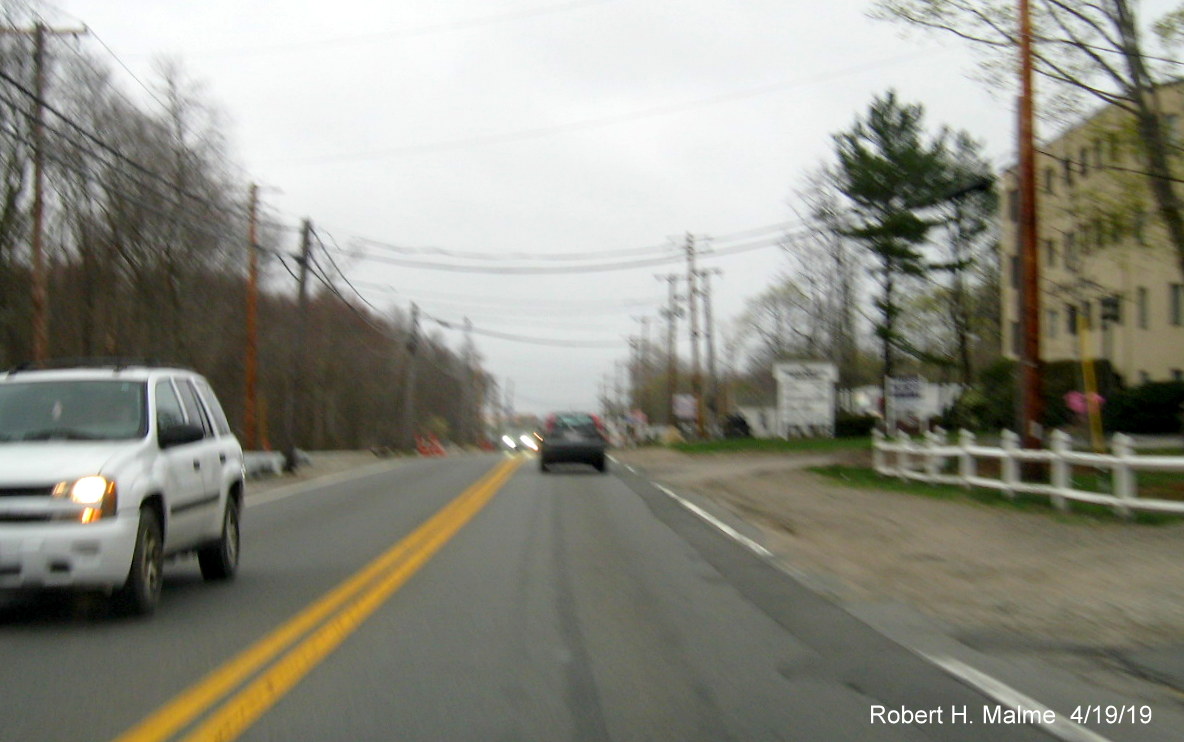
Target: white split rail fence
[[901, 456]]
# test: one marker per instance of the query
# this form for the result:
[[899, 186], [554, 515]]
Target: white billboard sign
[[806, 397]]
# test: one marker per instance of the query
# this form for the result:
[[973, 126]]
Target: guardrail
[[927, 459], [262, 463]]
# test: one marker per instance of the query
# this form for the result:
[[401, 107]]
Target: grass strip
[[860, 477]]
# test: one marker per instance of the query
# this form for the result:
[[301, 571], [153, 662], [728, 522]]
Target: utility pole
[[39, 290], [692, 307], [409, 380], [249, 422], [468, 411], [644, 399], [297, 357], [671, 314], [1030, 366], [712, 378]]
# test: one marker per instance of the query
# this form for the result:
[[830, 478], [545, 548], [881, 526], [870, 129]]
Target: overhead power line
[[424, 30], [525, 339], [602, 121], [586, 268], [667, 248]]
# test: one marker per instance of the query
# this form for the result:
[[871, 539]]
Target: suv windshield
[[72, 410]]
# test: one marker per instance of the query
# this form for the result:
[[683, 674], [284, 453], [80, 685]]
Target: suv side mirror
[[177, 435]]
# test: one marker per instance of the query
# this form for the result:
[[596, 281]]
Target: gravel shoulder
[[982, 570]]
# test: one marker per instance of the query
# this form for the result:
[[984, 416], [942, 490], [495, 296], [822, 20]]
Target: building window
[[1177, 375], [1071, 251], [1071, 318], [1141, 306], [1068, 171], [1084, 162], [1050, 179], [1144, 377], [1087, 314], [1053, 322], [1015, 271], [1110, 309], [1050, 253], [1176, 304]]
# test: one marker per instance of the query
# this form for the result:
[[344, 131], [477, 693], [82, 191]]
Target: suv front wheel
[[140, 594]]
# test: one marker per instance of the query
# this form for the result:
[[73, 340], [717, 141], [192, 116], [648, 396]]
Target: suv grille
[[45, 491]]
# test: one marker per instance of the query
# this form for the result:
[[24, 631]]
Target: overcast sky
[[541, 127]]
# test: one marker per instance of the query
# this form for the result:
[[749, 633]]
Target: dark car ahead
[[573, 438]]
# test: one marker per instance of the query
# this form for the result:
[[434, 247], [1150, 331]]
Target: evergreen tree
[[890, 174]]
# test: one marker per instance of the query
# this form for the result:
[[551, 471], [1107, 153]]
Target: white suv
[[105, 471]]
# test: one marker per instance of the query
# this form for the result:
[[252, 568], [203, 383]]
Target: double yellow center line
[[330, 620]]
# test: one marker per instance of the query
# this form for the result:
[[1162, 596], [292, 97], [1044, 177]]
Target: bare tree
[[831, 265], [1084, 49]]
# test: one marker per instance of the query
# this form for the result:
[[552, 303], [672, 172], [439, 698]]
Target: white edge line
[[724, 527], [1062, 728]]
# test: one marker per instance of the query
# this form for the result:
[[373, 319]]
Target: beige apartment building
[[1110, 283]]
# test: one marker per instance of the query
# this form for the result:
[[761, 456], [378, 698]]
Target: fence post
[[904, 459], [1122, 473], [1010, 443], [877, 452], [933, 439], [1059, 444], [965, 460]]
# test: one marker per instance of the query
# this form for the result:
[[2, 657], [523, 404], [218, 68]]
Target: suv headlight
[[96, 493]]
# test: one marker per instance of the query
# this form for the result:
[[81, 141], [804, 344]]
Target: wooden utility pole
[[296, 412], [641, 371], [692, 307], [671, 315], [39, 288], [470, 413], [1030, 366], [709, 332], [249, 402], [409, 381]]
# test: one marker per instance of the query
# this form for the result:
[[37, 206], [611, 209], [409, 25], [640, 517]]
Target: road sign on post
[[806, 398], [904, 398]]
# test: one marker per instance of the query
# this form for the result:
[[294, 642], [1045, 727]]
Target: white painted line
[[1062, 728], [724, 527]]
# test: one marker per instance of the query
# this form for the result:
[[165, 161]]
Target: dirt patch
[[982, 569]]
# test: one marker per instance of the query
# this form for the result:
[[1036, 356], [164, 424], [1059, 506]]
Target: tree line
[[145, 238]]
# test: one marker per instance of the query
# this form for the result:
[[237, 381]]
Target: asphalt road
[[475, 598]]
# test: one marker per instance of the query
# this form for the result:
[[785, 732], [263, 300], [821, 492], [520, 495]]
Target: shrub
[[854, 426], [1153, 408], [996, 402]]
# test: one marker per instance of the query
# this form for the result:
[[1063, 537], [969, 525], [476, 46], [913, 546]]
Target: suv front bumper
[[56, 554]]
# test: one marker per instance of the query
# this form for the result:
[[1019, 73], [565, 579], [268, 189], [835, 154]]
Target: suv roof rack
[[117, 363]]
